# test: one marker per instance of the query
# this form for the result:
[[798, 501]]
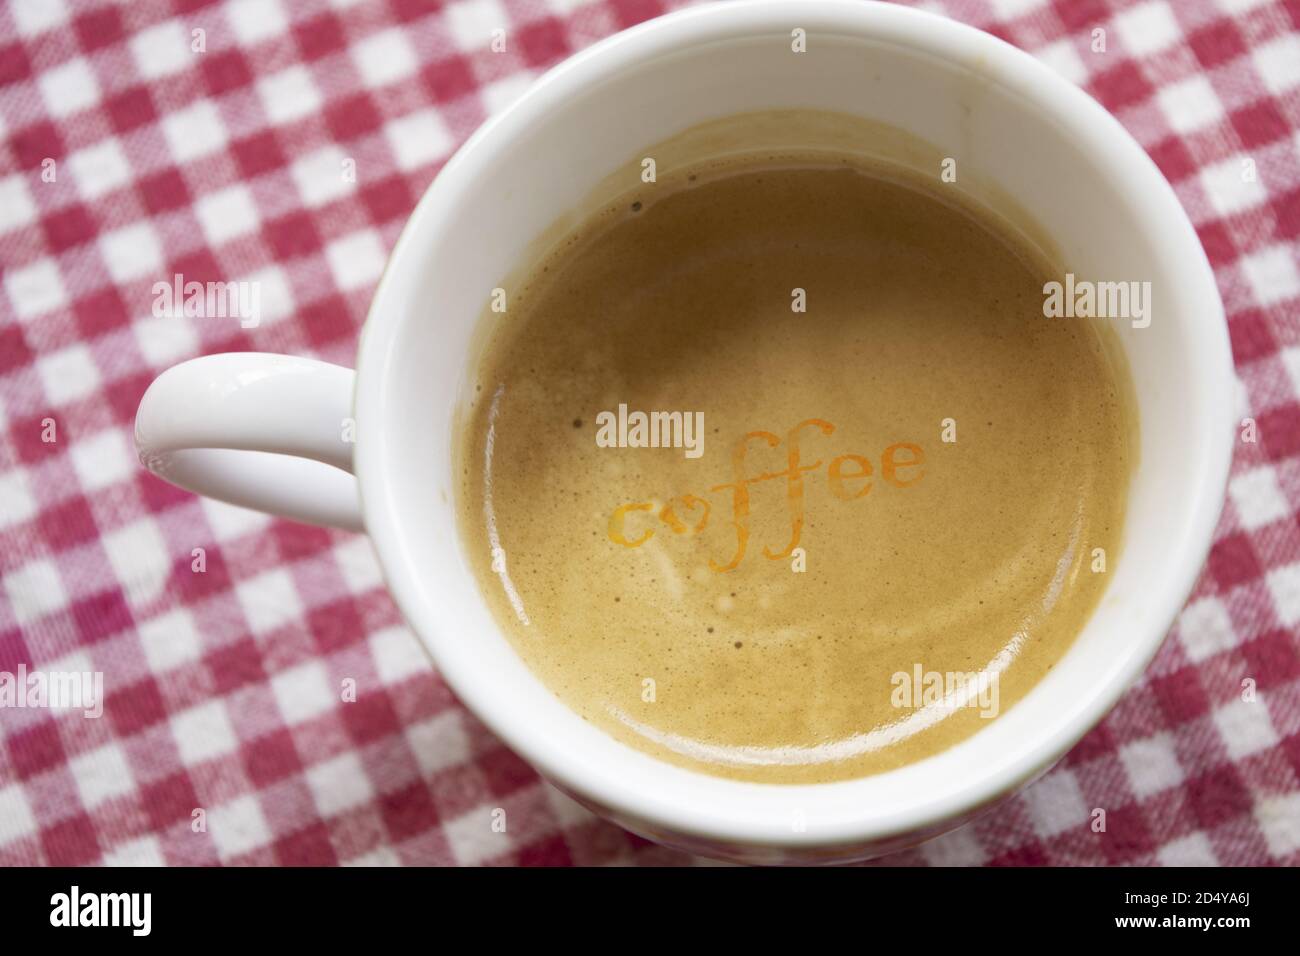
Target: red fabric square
[[36, 750], [98, 29], [130, 110], [258, 154], [170, 800], [35, 144], [1216, 44], [164, 191], [337, 625], [71, 842], [235, 666], [320, 37], [1260, 124], [68, 524], [1121, 86], [292, 235], [408, 812], [134, 708], [101, 311], [101, 616], [225, 70], [70, 226], [353, 117], [309, 847], [270, 758]]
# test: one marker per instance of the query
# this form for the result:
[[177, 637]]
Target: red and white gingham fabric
[[222, 687]]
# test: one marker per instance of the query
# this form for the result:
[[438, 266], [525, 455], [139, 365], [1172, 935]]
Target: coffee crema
[[918, 478]]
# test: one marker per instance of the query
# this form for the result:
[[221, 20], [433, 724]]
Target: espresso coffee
[[775, 469]]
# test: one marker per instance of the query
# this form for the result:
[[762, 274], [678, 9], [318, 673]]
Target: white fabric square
[[35, 289], [1278, 817], [289, 95], [1192, 850], [1228, 189], [357, 259], [1152, 765], [339, 784], [103, 459], [238, 826], [230, 522], [1257, 497], [418, 139], [132, 252], [68, 375], [1010, 9], [16, 820], [1284, 584], [473, 839], [102, 775], [274, 294], [194, 131], [140, 559], [227, 214], [16, 206], [146, 851], [1147, 28], [36, 16], [1190, 104], [1272, 274], [381, 855], [99, 169], [1245, 727], [398, 655], [304, 692], [1291, 362], [170, 640], [35, 590], [68, 88], [19, 506], [358, 564], [960, 847], [320, 177], [204, 732], [471, 22], [165, 340], [256, 20], [162, 49], [1205, 629], [439, 742], [385, 57], [1055, 803], [1278, 63], [269, 600]]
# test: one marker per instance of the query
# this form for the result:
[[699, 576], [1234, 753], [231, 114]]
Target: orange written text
[[849, 477]]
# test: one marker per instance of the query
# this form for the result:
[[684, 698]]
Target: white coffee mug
[[268, 431]]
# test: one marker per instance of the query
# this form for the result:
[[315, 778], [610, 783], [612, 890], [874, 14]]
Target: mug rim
[[926, 32]]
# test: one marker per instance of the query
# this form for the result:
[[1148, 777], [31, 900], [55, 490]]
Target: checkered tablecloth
[[128, 154]]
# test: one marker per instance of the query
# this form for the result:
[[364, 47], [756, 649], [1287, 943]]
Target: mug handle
[[269, 432]]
